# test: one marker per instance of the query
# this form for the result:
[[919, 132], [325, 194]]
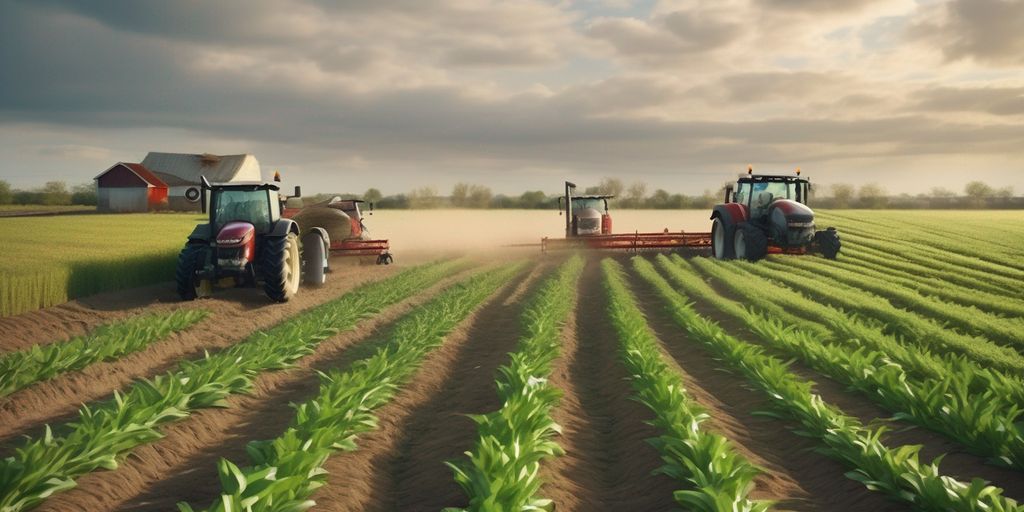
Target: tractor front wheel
[[721, 248], [749, 243], [828, 243], [280, 267], [191, 259]]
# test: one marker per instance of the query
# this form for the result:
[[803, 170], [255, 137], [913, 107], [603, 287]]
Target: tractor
[[585, 215], [247, 240], [768, 214], [588, 225]]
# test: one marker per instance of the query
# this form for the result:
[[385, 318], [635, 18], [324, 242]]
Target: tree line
[[975, 194], [52, 193]]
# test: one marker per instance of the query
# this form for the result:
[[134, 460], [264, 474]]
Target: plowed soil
[[608, 465]]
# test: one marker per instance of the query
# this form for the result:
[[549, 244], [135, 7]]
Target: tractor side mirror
[[560, 206], [728, 195], [371, 207]]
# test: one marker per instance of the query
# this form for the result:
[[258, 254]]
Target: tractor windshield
[[252, 206], [579, 203], [763, 193]]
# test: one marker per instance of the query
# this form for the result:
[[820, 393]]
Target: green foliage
[[718, 478], [40, 362], [896, 472], [110, 252], [503, 469], [971, 405], [287, 470], [104, 432]]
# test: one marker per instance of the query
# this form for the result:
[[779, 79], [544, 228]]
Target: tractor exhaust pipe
[[298, 191]]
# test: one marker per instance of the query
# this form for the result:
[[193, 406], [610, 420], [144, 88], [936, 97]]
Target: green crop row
[[999, 275], [502, 472], [44, 466], [980, 421], [990, 303], [40, 362], [717, 477], [855, 334], [923, 333], [948, 273], [967, 241], [286, 470], [897, 472], [968, 320]]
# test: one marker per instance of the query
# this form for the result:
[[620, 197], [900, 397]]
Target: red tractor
[[247, 240], [768, 214]]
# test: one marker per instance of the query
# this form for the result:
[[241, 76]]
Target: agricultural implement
[[767, 214], [588, 225], [342, 219], [248, 241]]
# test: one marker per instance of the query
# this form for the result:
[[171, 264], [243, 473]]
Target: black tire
[[314, 272], [749, 243], [828, 243], [279, 267], [721, 240], [191, 259]]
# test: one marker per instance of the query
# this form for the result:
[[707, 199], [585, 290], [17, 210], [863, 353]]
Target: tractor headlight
[[229, 241]]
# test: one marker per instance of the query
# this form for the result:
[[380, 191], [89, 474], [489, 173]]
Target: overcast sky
[[343, 95]]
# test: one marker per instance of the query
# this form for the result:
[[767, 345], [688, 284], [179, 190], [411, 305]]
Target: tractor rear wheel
[[280, 268], [749, 243], [721, 246], [828, 243], [191, 259], [313, 260]]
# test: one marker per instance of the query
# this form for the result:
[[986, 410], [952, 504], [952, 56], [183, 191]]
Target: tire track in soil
[[608, 463], [400, 466], [183, 464], [800, 478], [957, 462], [235, 314]]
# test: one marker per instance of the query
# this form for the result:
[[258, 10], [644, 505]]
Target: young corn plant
[[44, 466], [980, 421], [502, 472], [717, 477], [287, 470], [896, 472], [23, 368]]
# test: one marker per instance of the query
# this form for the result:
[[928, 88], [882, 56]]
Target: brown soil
[[795, 475], [236, 313], [183, 465], [400, 466], [608, 463], [958, 462]]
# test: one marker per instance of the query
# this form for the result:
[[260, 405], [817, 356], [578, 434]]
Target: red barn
[[128, 187]]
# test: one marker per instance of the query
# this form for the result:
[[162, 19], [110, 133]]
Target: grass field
[[889, 379], [49, 260]]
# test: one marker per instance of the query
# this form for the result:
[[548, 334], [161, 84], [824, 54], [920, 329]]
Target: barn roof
[[172, 180], [216, 168], [141, 171]]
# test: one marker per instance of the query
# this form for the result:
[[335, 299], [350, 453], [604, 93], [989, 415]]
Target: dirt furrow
[[182, 465], [400, 466], [798, 477], [608, 463], [236, 313], [957, 462]]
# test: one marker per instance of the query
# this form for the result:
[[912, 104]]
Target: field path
[[423, 421], [798, 477], [236, 313], [608, 463], [183, 465]]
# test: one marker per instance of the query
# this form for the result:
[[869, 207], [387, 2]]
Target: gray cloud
[[993, 100], [674, 34], [816, 5], [986, 30]]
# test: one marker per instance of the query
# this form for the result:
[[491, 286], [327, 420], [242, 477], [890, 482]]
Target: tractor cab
[[254, 203], [585, 215], [758, 192]]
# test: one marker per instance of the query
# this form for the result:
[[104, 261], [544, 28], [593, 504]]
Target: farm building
[[181, 172], [130, 187]]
